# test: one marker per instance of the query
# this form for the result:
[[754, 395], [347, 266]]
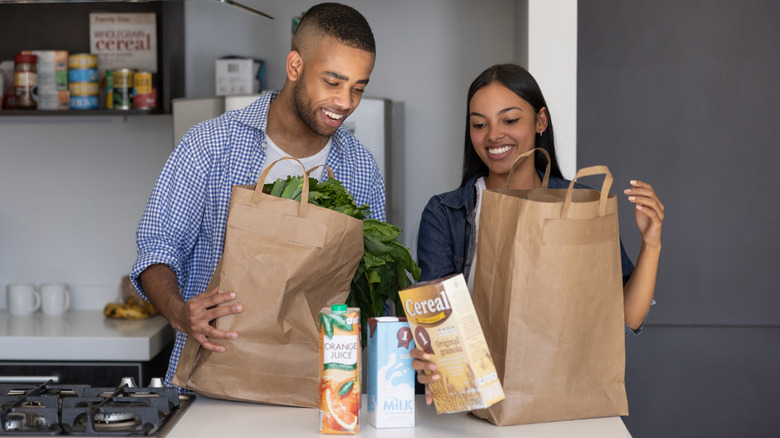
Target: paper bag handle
[[330, 172], [304, 191], [588, 171], [545, 180]]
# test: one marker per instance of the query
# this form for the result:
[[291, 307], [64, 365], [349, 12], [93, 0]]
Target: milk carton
[[390, 377], [445, 325]]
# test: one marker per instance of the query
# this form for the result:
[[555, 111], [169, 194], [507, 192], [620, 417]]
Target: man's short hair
[[339, 21]]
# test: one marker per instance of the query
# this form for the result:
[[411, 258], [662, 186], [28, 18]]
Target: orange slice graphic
[[340, 413]]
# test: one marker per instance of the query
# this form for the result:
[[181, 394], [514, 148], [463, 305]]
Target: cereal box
[[445, 325], [123, 40], [390, 376]]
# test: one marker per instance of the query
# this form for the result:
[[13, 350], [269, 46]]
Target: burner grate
[[81, 410], [33, 410]]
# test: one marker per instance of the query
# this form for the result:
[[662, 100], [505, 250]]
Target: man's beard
[[303, 108]]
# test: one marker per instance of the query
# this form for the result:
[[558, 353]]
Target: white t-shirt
[[289, 167], [480, 185]]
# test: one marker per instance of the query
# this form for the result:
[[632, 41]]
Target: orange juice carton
[[445, 325], [390, 376], [339, 339]]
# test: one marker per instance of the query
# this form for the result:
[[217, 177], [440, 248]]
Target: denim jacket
[[446, 241]]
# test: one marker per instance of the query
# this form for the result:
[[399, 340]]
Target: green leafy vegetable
[[386, 263], [330, 194]]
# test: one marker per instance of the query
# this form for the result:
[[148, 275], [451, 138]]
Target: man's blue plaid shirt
[[184, 222]]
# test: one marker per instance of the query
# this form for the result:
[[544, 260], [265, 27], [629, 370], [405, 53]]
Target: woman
[[507, 116]]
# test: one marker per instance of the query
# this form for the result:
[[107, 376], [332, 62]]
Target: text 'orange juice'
[[339, 370]]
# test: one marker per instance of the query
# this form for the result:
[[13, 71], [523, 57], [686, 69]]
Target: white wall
[[72, 190], [552, 59]]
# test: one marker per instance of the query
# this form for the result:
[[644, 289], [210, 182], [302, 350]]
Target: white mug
[[55, 298], [23, 299]]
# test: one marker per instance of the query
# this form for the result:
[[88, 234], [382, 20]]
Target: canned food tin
[[82, 60], [122, 88], [83, 102], [83, 75], [145, 101], [144, 96], [83, 88], [142, 82]]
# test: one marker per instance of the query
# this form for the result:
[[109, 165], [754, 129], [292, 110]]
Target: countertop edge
[[82, 335]]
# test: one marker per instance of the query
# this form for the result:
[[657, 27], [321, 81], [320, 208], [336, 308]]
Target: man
[[181, 234]]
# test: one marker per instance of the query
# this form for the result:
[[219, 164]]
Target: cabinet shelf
[[97, 112], [65, 26]]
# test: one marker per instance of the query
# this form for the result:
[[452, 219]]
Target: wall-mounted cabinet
[[65, 26]]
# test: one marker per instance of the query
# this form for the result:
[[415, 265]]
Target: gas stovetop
[[81, 410]]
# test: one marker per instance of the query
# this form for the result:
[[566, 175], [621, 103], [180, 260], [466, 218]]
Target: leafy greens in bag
[[382, 271]]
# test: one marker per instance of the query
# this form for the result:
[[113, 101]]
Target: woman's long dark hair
[[524, 85]]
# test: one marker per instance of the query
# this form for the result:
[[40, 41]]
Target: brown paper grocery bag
[[549, 294], [285, 260]]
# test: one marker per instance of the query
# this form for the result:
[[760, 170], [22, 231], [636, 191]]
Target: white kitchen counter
[[82, 335], [210, 417]]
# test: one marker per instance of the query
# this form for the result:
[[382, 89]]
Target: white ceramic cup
[[23, 299], [55, 298]]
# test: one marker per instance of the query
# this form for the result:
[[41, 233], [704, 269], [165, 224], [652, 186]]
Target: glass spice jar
[[25, 81]]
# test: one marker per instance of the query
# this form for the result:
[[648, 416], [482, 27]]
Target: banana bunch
[[132, 305], [136, 301], [125, 311]]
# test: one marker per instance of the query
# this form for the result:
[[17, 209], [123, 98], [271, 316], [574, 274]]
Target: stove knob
[[129, 381], [157, 382]]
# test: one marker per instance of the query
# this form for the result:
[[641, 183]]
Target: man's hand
[[191, 317]]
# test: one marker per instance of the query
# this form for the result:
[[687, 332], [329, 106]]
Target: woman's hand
[[426, 371], [649, 212], [639, 291]]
